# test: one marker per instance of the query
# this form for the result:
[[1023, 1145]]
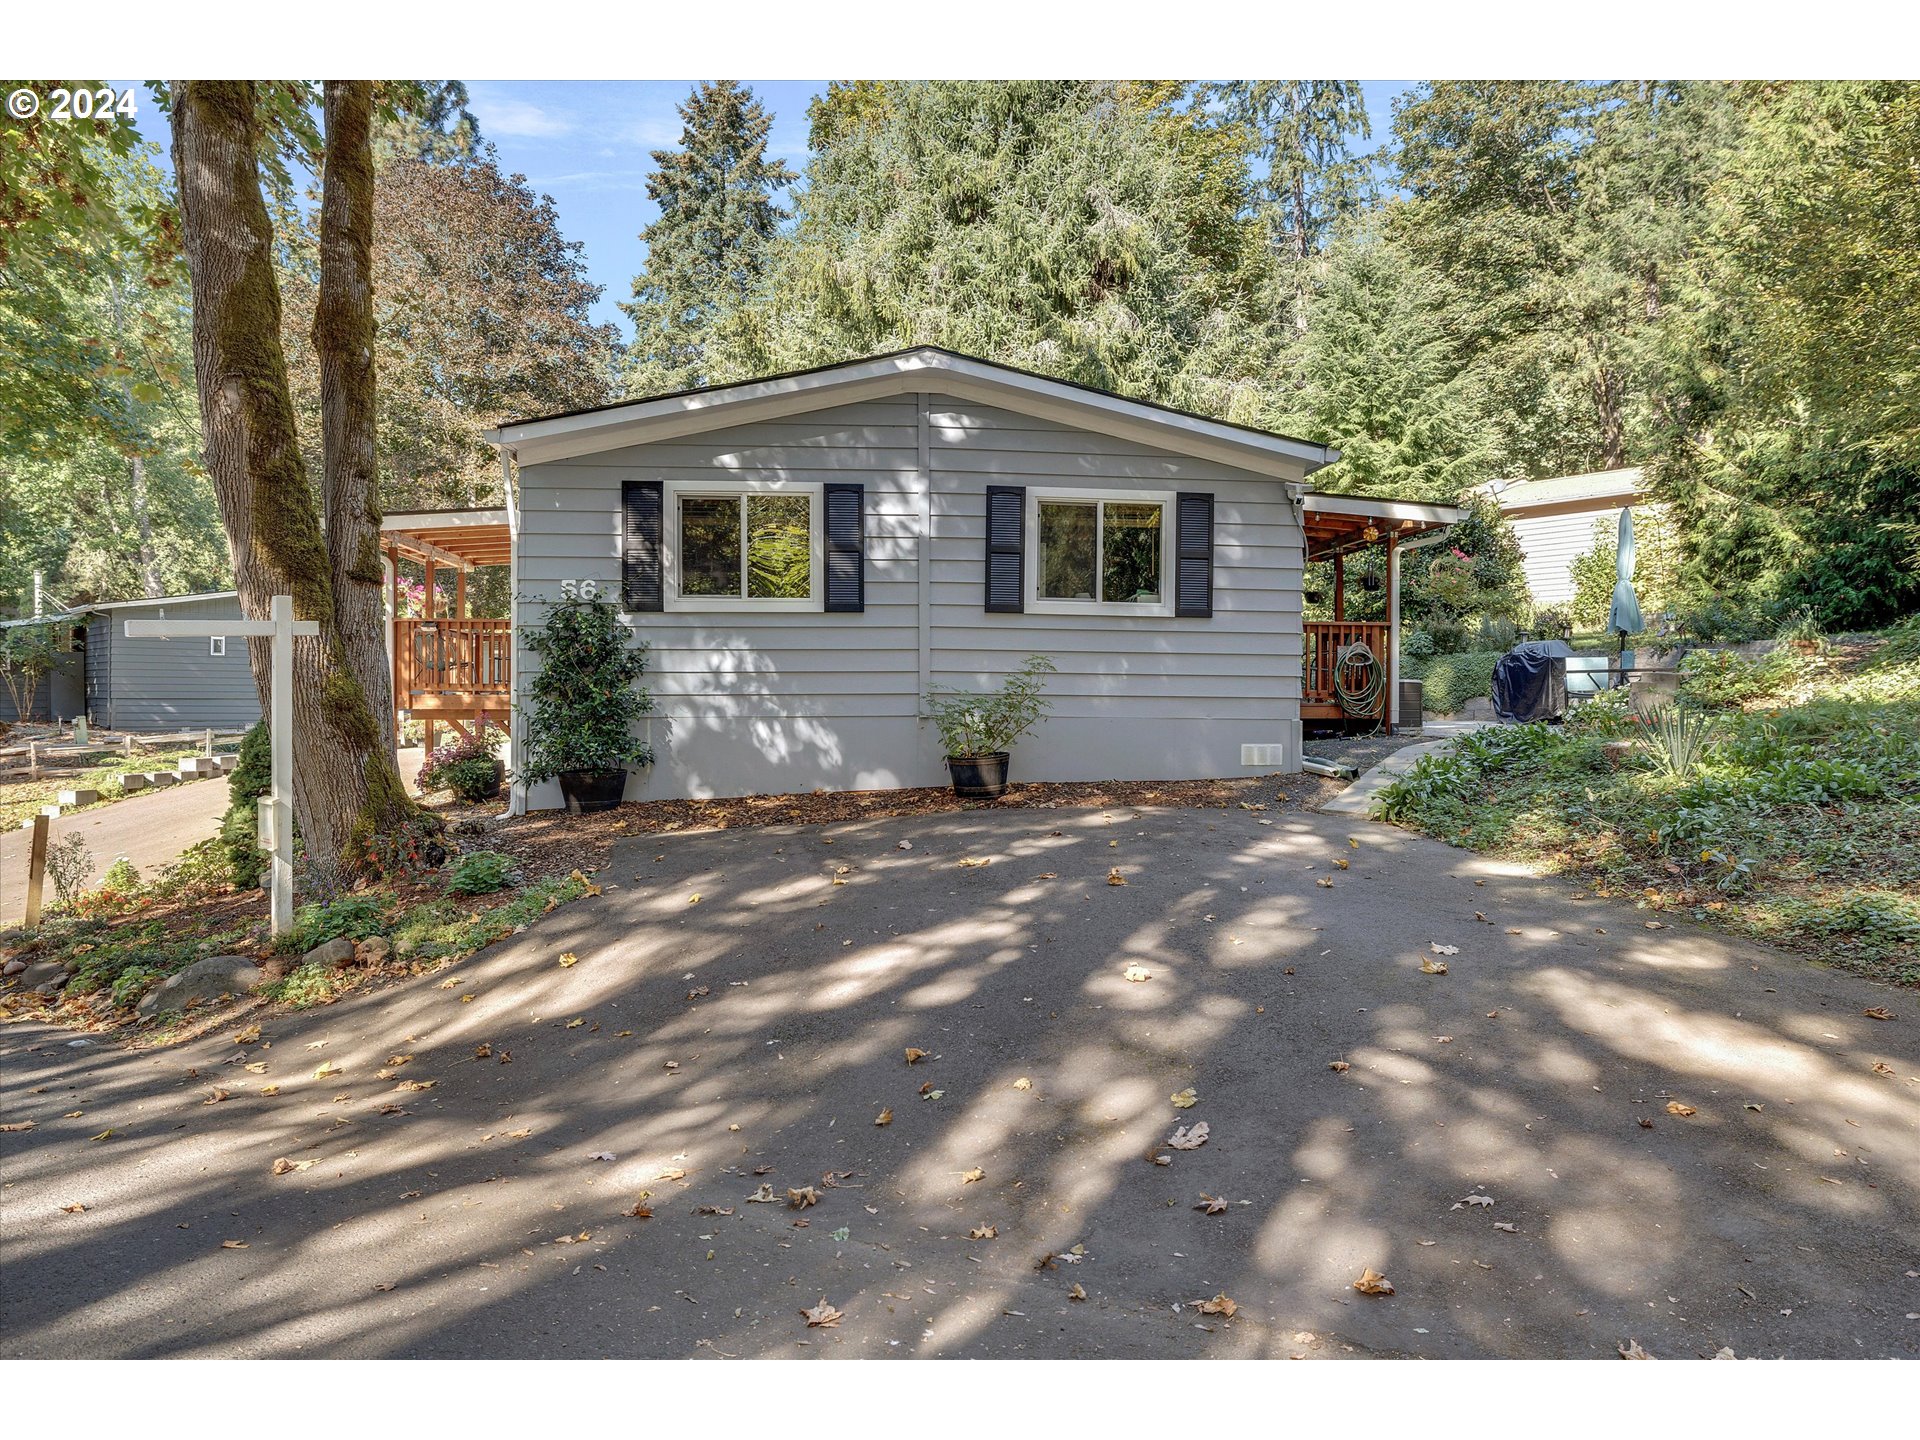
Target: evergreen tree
[[1383, 380], [707, 251]]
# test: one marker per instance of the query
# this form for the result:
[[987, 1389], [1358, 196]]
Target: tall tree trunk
[[143, 524], [345, 784], [343, 336]]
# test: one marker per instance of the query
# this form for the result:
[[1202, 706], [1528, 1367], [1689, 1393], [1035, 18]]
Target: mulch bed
[[552, 842]]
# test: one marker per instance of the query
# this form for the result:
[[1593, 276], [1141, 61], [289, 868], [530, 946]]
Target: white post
[[1393, 635], [280, 799], [276, 807]]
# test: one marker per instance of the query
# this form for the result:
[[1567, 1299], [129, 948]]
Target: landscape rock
[[330, 954], [274, 970], [203, 981], [12, 968], [45, 976], [375, 949]]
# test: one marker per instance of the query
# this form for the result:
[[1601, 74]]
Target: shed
[[1553, 520], [941, 517]]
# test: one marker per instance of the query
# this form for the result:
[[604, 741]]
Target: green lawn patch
[[22, 801]]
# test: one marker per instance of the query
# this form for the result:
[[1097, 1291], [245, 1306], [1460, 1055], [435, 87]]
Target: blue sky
[[587, 143]]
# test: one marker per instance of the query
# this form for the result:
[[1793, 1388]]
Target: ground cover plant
[[21, 798], [1780, 798]]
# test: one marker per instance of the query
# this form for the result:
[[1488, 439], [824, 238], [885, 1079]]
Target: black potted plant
[[976, 728], [584, 702]]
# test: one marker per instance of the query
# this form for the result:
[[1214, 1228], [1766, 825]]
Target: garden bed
[[1785, 804]]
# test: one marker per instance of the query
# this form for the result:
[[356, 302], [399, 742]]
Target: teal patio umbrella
[[1623, 617]]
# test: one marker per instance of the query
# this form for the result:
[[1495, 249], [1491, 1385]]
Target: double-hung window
[[750, 545], [1099, 552]]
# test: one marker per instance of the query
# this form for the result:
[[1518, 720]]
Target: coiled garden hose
[[1361, 699]]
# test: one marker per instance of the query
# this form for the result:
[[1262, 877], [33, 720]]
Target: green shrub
[[1452, 680], [240, 826], [587, 694], [1415, 645], [985, 723], [353, 916], [480, 872], [1725, 678]]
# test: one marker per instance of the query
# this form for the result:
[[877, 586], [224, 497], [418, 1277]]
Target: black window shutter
[[1193, 555], [641, 505], [1006, 548], [846, 530]]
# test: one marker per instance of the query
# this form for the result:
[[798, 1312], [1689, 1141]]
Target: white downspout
[[516, 722]]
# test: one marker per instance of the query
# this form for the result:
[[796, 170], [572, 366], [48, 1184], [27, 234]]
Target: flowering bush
[[465, 765]]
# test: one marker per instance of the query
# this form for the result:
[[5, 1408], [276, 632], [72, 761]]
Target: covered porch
[[449, 666], [1338, 685]]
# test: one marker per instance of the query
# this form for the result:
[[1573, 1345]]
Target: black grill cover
[[1530, 682]]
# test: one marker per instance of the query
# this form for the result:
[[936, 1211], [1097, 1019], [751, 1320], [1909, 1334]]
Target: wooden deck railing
[[1325, 640], [443, 658]]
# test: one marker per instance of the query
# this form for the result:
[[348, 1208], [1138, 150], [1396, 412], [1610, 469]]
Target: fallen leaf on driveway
[[1023, 1083], [601, 1155], [693, 900], [1506, 1226], [1372, 1282], [108, 1134], [1185, 1100], [1189, 1139], [416, 1084], [384, 1285], [233, 1244], [1212, 1204], [1136, 973], [1339, 1067], [972, 864], [74, 1209], [1219, 1305], [1645, 1123], [1632, 1351], [973, 1176], [1879, 1012], [284, 1166], [1880, 1067], [247, 1036], [713, 1209], [569, 960], [639, 1210], [1077, 1292], [327, 1068], [214, 1096], [885, 1117], [803, 1197], [763, 1196], [1674, 1107], [913, 1055], [1432, 967], [591, 888], [1439, 949], [14, 1127], [1325, 882], [822, 1316], [1467, 1200], [1114, 877], [1343, 863], [983, 1232], [672, 1172]]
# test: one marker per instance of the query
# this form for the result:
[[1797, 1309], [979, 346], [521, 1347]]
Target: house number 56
[[580, 589]]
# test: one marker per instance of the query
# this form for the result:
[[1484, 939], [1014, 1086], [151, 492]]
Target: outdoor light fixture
[[1371, 533]]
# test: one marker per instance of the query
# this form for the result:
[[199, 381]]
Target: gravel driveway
[[1680, 1139]]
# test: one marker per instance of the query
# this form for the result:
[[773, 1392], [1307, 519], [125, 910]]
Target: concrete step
[[73, 798], [227, 764], [196, 765], [133, 782], [160, 777]]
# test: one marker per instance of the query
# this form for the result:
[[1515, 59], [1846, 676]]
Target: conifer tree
[[707, 251]]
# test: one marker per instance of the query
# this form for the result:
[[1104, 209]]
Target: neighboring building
[[150, 684], [807, 554], [1554, 522]]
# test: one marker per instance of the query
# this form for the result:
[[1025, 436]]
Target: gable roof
[[1618, 486], [899, 372]]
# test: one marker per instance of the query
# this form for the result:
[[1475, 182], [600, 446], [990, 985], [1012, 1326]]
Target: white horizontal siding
[[1550, 545]]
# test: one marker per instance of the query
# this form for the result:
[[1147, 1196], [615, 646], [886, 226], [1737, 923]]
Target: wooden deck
[[453, 669], [1325, 639]]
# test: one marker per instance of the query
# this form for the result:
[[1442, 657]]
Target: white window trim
[[1036, 604], [216, 645], [673, 491]]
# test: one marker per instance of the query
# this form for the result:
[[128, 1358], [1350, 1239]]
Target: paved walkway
[[1681, 1139], [150, 829]]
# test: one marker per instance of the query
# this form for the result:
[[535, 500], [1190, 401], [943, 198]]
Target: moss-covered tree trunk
[[343, 341], [345, 783]]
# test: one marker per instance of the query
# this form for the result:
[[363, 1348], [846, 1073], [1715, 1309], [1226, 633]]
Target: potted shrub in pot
[[976, 728], [469, 768], [584, 702]]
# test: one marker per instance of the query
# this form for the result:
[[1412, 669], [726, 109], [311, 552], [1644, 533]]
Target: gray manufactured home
[[808, 554]]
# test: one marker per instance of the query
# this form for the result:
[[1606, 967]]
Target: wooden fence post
[[36, 869]]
